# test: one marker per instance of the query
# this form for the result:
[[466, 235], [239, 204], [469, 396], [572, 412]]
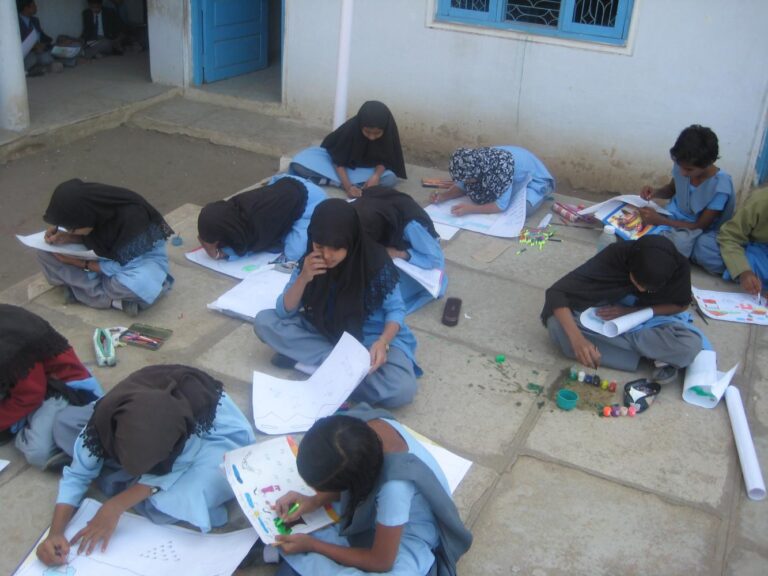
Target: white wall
[[61, 16], [602, 119], [169, 41]]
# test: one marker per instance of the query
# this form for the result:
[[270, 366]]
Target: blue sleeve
[[394, 307], [77, 477], [393, 502], [718, 202], [279, 306], [296, 239], [425, 251], [505, 199]]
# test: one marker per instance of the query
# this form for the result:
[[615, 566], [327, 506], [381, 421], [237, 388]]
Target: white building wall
[[602, 118], [170, 46]]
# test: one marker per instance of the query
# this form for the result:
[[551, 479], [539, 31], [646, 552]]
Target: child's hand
[[99, 528], [314, 265], [612, 312], [354, 192], [378, 355], [54, 550], [750, 283], [462, 209], [372, 181], [647, 193], [586, 352], [295, 543], [649, 216], [286, 501]]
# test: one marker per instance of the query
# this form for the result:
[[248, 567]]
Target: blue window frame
[[605, 21]]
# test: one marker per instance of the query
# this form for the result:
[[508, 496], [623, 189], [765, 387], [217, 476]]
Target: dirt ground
[[167, 170]]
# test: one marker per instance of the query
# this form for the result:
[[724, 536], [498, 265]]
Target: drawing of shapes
[[710, 301], [745, 306], [271, 488]]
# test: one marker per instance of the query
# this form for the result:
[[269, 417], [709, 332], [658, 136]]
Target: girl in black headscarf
[[271, 218], [40, 378], [362, 152], [127, 234], [344, 283], [154, 443], [398, 223], [623, 278]]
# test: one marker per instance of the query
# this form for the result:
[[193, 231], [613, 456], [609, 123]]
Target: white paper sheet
[[453, 466], [256, 292], [140, 547], [37, 241], [732, 306], [431, 278], [260, 474], [613, 328], [703, 385], [603, 209], [445, 231], [65, 51], [3, 464], [750, 466], [283, 406], [239, 268], [29, 42], [506, 224]]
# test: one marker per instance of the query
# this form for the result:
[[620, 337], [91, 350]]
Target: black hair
[[341, 453], [21, 4], [697, 145]]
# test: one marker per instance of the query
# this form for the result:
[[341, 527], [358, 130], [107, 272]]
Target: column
[[14, 105]]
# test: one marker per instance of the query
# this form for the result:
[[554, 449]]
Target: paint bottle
[[573, 374], [607, 238]]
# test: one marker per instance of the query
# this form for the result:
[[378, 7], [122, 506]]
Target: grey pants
[[101, 46], [671, 343], [388, 180], [37, 59], [91, 289], [48, 430], [392, 385]]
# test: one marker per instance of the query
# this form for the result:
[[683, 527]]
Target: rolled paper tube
[[750, 467]]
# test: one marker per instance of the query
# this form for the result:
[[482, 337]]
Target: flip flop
[[640, 394]]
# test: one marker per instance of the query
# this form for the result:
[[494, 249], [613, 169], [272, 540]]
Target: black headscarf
[[346, 295], [350, 148], [25, 340], [254, 220], [384, 213], [604, 279], [124, 224], [144, 422]]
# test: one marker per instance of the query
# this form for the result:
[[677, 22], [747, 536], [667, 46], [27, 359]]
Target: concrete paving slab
[[239, 353], [496, 325], [551, 520], [688, 461], [470, 403], [757, 396], [745, 562]]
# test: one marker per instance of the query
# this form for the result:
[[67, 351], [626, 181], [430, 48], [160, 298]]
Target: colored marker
[[294, 507], [236, 472]]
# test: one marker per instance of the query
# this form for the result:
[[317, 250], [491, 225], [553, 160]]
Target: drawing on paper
[[732, 307]]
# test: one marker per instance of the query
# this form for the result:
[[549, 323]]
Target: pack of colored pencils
[[145, 336], [436, 183]]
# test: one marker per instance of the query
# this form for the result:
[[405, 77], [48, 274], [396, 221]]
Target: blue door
[[234, 37]]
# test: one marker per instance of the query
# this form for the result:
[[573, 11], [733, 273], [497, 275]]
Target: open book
[[622, 213]]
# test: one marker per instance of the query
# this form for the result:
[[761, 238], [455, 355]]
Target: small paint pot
[[604, 384], [574, 373], [606, 411], [631, 411], [581, 375], [588, 379], [566, 399], [612, 387]]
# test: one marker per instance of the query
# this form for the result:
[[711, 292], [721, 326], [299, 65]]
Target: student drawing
[[365, 151]]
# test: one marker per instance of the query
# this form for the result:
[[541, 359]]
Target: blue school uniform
[[398, 503], [315, 163], [194, 491], [541, 185], [425, 252], [144, 275]]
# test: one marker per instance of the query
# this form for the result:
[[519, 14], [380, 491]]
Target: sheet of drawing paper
[[239, 268], [140, 547], [603, 209], [260, 474], [3, 464], [256, 292], [445, 231], [284, 406], [704, 385], [506, 224], [453, 466], [37, 241], [430, 278], [613, 328], [732, 306]]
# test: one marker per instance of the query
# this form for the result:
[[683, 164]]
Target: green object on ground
[[500, 358], [535, 388]]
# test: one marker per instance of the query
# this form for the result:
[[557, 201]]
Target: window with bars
[[605, 21]]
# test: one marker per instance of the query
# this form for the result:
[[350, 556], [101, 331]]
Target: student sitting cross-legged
[[124, 230], [398, 515], [272, 218], [490, 177], [154, 443], [41, 381], [364, 151], [398, 223], [344, 282], [623, 278]]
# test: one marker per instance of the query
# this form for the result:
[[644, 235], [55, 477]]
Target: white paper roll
[[750, 467]]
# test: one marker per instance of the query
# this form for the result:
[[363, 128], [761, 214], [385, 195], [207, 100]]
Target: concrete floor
[[550, 492]]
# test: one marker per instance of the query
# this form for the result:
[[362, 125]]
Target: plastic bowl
[[567, 399]]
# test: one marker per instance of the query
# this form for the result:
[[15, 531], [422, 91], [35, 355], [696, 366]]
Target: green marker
[[294, 507]]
